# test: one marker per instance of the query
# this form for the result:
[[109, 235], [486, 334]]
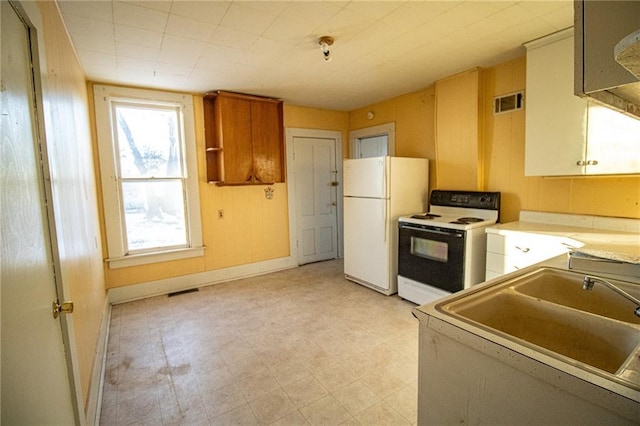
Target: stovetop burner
[[459, 210], [467, 220], [426, 216]]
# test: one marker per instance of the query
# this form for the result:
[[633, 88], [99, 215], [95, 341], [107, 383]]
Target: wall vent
[[508, 103]]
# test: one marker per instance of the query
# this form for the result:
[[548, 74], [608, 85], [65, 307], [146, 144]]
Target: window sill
[[147, 258]]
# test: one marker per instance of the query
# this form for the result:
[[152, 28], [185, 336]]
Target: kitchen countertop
[[624, 241], [521, 365]]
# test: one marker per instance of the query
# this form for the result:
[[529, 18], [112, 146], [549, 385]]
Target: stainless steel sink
[[548, 311], [565, 288]]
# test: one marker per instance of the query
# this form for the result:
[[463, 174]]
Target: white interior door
[[316, 199], [35, 387]]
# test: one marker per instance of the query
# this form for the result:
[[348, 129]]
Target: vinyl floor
[[296, 347]]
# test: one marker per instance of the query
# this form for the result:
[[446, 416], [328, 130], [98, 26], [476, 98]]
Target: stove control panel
[[468, 199]]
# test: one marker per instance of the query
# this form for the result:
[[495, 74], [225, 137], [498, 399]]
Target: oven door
[[432, 255]]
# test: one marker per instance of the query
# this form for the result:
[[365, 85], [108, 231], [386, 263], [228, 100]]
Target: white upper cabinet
[[613, 140], [565, 134]]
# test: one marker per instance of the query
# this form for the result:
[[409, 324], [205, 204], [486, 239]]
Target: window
[[376, 141], [372, 146], [149, 175]]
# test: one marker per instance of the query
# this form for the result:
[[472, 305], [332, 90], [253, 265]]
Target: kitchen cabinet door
[[613, 142], [267, 141], [567, 135], [234, 130], [556, 119]]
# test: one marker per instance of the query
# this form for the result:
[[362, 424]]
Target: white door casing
[[36, 387], [315, 202]]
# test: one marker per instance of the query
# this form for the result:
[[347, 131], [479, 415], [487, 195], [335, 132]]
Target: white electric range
[[444, 251]]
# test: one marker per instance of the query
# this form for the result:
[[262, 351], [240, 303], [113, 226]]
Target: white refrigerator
[[377, 191]]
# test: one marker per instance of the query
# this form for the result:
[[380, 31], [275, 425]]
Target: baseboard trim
[[94, 401], [168, 285]]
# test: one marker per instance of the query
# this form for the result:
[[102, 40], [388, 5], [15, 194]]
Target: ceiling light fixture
[[325, 42]]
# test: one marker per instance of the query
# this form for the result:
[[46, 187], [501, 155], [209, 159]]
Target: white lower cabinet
[[508, 253], [464, 378]]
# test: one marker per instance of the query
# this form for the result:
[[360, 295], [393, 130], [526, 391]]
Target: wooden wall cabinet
[[244, 139]]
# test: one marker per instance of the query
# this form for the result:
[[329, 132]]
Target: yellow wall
[[319, 119], [254, 228], [413, 115], [74, 189], [503, 153], [504, 164], [458, 131]]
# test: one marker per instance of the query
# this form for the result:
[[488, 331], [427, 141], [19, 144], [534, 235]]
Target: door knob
[[334, 204], [65, 308], [335, 183]]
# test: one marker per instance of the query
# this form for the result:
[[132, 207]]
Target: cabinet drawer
[[496, 243], [509, 253], [500, 263]]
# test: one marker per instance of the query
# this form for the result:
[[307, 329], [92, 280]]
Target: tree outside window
[[151, 174], [148, 165]]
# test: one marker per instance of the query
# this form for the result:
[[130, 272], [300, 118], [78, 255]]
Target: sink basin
[[589, 339], [548, 311], [565, 288]]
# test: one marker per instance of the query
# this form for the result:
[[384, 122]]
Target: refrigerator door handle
[[385, 194], [385, 177], [385, 228]]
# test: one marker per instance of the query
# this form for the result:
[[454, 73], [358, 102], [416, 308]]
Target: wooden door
[[36, 388], [233, 116], [316, 195]]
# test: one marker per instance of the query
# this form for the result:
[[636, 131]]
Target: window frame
[[388, 129], [117, 256]]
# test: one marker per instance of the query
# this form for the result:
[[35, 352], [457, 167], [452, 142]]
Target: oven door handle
[[432, 231]]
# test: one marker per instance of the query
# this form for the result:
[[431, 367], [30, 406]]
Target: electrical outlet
[[220, 214]]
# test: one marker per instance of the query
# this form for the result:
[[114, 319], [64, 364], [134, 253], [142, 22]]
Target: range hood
[[607, 53], [627, 53]]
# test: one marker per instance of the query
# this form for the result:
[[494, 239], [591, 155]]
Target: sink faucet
[[589, 281]]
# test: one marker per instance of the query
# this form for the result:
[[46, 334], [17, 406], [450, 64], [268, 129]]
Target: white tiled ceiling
[[382, 48]]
